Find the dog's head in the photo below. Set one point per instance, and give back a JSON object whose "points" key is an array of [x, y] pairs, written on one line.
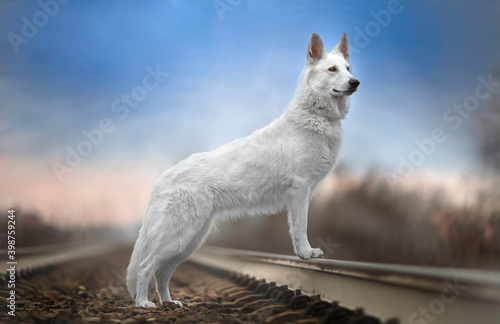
{"points": [[330, 72]]}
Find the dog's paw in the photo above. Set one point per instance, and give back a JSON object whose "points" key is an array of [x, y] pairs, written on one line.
{"points": [[170, 303], [310, 253], [178, 303], [146, 304]]}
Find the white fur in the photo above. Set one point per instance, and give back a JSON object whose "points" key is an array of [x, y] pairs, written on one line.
{"points": [[276, 167]]}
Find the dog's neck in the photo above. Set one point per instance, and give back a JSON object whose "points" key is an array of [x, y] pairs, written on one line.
{"points": [[317, 112], [323, 105]]}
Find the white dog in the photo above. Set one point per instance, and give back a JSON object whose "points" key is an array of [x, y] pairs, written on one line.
{"points": [[276, 167]]}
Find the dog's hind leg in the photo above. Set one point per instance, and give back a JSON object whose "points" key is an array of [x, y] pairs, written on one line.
{"points": [[147, 269], [162, 278], [161, 263], [164, 273]]}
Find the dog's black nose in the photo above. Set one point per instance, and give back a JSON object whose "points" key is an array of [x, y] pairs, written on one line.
{"points": [[354, 83]]}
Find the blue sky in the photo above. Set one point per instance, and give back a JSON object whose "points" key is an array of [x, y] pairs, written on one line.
{"points": [[230, 76]]}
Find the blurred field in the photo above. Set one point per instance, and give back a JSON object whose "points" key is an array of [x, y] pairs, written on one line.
{"points": [[32, 230], [372, 218], [364, 218]]}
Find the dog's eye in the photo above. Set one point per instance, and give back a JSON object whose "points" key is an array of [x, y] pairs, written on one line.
{"points": [[333, 69], [349, 68]]}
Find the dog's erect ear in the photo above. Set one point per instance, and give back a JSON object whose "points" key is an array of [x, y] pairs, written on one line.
{"points": [[316, 49], [342, 47]]}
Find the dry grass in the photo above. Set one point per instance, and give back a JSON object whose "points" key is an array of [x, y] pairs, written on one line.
{"points": [[375, 220]]}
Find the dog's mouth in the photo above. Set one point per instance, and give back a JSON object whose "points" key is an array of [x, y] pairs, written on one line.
{"points": [[345, 92]]}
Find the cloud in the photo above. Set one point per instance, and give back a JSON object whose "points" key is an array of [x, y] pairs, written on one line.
{"points": [[96, 195], [226, 79]]}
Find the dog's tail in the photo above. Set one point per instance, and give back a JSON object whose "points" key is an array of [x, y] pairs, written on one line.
{"points": [[133, 267]]}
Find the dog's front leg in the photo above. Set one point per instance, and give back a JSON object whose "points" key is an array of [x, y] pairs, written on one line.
{"points": [[297, 194]]}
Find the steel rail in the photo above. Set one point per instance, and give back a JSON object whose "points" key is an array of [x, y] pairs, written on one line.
{"points": [[413, 294], [42, 249], [42, 258]]}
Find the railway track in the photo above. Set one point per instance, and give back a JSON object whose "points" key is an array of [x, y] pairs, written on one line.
{"points": [[232, 286], [38, 259], [407, 294]]}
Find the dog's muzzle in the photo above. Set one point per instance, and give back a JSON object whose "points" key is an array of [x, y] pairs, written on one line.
{"points": [[353, 86], [354, 83]]}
